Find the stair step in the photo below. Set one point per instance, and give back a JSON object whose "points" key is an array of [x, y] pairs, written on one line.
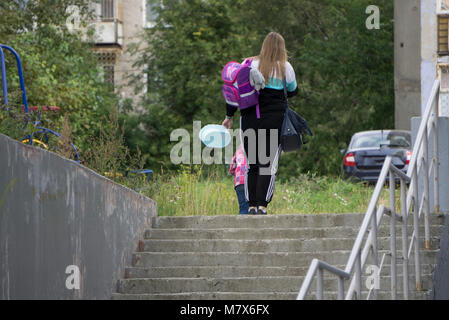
{"points": [[274, 221], [281, 245], [260, 257], [209, 296], [301, 259], [236, 271], [383, 295], [242, 284], [271, 233]]}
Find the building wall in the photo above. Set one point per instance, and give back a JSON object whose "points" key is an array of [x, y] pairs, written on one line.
{"points": [[130, 14], [429, 55], [407, 61], [55, 213], [133, 26]]}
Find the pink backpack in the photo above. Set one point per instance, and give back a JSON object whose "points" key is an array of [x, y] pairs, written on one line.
{"points": [[237, 90]]}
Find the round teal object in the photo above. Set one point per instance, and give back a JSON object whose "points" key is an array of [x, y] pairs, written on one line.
{"points": [[215, 136]]}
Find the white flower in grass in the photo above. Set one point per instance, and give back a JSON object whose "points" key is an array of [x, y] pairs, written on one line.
{"points": [[343, 201]]}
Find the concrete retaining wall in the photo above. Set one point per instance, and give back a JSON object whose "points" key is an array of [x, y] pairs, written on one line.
{"points": [[440, 290], [55, 213]]}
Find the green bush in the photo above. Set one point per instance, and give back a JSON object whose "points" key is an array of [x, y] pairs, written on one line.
{"points": [[61, 70]]}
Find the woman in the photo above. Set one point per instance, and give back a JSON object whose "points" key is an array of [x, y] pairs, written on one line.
{"points": [[273, 65]]}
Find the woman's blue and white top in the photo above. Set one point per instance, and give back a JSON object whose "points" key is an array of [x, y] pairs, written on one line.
{"points": [[276, 83]]}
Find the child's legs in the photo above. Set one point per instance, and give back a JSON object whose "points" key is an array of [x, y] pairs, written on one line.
{"points": [[252, 184], [249, 139], [243, 204]]}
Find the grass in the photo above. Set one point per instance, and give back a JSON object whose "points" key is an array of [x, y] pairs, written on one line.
{"points": [[195, 193], [198, 190]]}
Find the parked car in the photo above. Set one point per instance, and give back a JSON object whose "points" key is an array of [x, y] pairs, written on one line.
{"points": [[364, 158]]}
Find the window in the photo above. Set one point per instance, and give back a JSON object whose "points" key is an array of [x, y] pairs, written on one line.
{"points": [[107, 60], [381, 138], [443, 27], [443, 48], [443, 72], [150, 12], [107, 9], [109, 74], [443, 7]]}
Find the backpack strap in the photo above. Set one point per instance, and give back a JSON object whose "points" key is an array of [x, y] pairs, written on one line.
{"points": [[247, 62]]}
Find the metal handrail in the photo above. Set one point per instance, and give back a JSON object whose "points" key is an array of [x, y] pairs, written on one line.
{"points": [[3, 73], [20, 72], [380, 270], [409, 202], [44, 131]]}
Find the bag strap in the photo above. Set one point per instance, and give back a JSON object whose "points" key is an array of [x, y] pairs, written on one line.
{"points": [[284, 82], [247, 62]]}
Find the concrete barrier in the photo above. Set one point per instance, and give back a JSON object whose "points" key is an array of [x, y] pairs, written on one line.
{"points": [[440, 289], [58, 217]]}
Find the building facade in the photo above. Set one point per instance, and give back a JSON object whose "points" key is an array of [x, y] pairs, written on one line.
{"points": [[119, 23], [421, 56]]}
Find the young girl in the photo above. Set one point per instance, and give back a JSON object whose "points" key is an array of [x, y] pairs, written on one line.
{"points": [[273, 65], [238, 170]]}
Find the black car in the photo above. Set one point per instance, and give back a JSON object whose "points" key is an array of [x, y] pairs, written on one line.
{"points": [[368, 149]]}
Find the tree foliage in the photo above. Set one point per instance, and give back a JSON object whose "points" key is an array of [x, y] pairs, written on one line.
{"points": [[344, 70], [184, 57], [59, 66], [347, 80]]}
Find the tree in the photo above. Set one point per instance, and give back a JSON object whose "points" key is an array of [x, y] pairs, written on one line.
{"points": [[344, 71], [59, 67], [347, 80], [186, 51]]}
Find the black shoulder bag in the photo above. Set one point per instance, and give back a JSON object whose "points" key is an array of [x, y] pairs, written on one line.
{"points": [[292, 128]]}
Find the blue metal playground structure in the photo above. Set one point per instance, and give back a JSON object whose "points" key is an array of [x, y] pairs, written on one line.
{"points": [[44, 132]]}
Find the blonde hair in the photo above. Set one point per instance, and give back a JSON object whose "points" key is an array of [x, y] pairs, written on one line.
{"points": [[272, 56]]}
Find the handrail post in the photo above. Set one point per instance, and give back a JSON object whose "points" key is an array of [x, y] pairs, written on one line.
{"points": [[308, 280], [393, 236], [320, 284], [4, 82], [416, 229], [409, 201], [436, 189], [341, 288], [425, 170], [358, 275], [404, 239], [374, 247]]}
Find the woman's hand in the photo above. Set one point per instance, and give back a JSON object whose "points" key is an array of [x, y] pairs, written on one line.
{"points": [[227, 123]]}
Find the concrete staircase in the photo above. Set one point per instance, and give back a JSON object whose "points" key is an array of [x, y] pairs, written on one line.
{"points": [[256, 257]]}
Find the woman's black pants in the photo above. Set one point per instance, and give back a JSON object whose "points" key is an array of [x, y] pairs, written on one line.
{"points": [[261, 141]]}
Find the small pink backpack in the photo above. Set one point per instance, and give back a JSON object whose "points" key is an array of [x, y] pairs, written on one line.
{"points": [[237, 89]]}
